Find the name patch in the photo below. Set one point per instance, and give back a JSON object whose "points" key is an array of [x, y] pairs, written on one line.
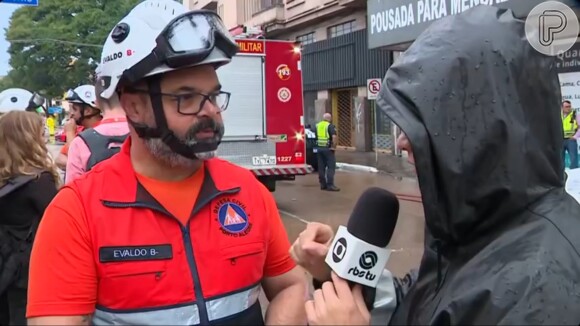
{"points": [[133, 253]]}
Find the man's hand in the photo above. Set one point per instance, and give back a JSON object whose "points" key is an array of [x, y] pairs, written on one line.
{"points": [[337, 304], [70, 129], [310, 248]]}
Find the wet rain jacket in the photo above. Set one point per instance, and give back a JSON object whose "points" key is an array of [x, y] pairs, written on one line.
{"points": [[481, 109]]}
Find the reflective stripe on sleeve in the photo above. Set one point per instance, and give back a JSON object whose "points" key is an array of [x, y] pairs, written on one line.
{"points": [[232, 304], [218, 308]]}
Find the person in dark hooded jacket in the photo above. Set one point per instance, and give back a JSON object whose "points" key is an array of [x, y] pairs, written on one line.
{"points": [[476, 103]]}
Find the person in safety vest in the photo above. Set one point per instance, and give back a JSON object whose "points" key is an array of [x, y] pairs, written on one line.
{"points": [[51, 124], [165, 232], [84, 113], [101, 142], [570, 127], [326, 141]]}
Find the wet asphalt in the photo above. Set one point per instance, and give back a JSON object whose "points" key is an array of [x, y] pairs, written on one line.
{"points": [[302, 201]]}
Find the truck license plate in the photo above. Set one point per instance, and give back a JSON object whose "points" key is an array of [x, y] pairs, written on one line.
{"points": [[264, 160]]}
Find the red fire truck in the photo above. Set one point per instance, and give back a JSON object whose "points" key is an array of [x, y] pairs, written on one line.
{"points": [[264, 122]]}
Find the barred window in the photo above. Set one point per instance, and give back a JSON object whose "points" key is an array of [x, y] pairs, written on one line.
{"points": [[306, 38], [341, 29]]}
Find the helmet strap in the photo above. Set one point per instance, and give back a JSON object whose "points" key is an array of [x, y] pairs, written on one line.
{"points": [[86, 116]]}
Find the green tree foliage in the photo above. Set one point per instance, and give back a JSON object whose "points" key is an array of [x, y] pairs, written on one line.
{"points": [[6, 82], [57, 45]]}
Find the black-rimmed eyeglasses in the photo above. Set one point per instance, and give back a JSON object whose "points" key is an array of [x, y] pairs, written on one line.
{"points": [[191, 103]]}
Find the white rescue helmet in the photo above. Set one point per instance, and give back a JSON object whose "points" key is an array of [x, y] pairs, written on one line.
{"points": [[19, 99], [159, 36], [84, 94]]}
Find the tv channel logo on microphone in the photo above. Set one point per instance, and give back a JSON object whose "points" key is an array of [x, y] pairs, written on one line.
{"points": [[366, 262], [552, 28], [339, 250], [355, 260]]}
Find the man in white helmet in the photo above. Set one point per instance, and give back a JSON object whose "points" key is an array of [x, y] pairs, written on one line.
{"points": [[84, 113], [97, 144], [23, 100], [19, 99], [164, 232]]}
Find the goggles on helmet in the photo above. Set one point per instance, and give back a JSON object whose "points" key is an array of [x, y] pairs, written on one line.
{"points": [[73, 97], [36, 103], [36, 100], [187, 39]]}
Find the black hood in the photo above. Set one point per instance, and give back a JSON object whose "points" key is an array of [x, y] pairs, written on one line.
{"points": [[481, 109]]}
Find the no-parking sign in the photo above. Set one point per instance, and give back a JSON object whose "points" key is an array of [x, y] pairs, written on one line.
{"points": [[373, 88]]}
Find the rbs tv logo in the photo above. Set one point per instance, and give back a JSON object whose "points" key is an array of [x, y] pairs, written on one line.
{"points": [[367, 261]]}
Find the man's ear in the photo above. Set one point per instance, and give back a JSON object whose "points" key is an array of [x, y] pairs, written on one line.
{"points": [[92, 110], [130, 102], [86, 109]]}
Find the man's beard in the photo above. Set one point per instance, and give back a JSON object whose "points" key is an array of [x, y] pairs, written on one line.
{"points": [[162, 152]]}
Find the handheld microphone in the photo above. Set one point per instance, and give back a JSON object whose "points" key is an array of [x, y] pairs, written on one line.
{"points": [[359, 252]]}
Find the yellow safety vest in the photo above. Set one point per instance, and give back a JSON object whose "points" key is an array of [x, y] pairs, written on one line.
{"points": [[322, 134], [569, 125], [50, 125]]}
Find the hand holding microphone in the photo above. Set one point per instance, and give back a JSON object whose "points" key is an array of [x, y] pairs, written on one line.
{"points": [[337, 304], [359, 255], [359, 251]]}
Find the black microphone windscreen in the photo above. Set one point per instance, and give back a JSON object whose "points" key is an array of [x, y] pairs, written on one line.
{"points": [[374, 217]]}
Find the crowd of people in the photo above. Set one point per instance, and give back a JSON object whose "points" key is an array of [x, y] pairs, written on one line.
{"points": [[150, 227]]}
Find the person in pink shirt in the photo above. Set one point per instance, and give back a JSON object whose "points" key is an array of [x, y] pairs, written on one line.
{"points": [[104, 139]]}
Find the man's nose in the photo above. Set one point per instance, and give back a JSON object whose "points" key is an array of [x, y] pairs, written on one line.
{"points": [[208, 109]]}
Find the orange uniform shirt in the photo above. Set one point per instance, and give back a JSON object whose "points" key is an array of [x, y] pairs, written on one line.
{"points": [[63, 271]]}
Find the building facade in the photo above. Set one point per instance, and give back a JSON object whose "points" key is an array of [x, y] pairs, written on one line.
{"points": [[336, 60], [394, 24]]}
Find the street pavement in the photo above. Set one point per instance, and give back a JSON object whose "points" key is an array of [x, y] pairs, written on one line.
{"points": [[302, 201], [392, 165]]}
